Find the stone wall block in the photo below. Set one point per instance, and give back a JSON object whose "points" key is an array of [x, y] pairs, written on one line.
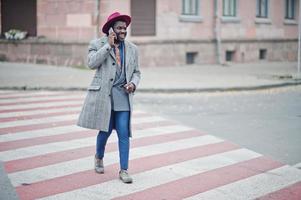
{"points": [[48, 32], [68, 34], [41, 49]]}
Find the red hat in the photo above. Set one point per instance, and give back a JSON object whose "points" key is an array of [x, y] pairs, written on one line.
{"points": [[116, 16]]}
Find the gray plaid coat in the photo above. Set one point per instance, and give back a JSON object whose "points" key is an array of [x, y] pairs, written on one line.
{"points": [[96, 110]]}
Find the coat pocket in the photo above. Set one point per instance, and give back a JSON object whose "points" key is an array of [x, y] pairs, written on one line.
{"points": [[94, 87]]}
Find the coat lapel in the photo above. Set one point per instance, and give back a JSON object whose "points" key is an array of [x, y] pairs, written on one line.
{"points": [[128, 54], [113, 54]]}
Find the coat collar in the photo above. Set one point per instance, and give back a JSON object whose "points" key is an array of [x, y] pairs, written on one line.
{"points": [[112, 54]]}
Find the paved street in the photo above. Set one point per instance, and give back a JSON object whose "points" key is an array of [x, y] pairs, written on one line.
{"points": [[268, 121], [47, 157]]}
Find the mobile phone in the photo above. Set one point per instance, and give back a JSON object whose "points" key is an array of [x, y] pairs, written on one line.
{"points": [[111, 30], [115, 38]]}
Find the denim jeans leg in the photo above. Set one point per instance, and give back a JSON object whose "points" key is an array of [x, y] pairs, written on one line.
{"points": [[122, 127], [102, 139]]}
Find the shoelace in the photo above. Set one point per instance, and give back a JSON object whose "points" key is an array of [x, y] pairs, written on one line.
{"points": [[125, 172]]}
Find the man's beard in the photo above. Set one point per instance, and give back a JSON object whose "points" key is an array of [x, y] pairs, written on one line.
{"points": [[121, 38]]}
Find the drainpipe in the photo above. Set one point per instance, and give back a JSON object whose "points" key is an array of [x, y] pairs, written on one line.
{"points": [[97, 11], [217, 32], [299, 40]]}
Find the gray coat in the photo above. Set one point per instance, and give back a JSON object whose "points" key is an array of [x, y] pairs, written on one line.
{"points": [[96, 110]]}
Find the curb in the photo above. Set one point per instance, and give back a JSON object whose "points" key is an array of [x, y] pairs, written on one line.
{"points": [[6, 189], [164, 90], [212, 90]]}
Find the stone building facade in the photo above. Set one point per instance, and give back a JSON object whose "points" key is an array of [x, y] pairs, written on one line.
{"points": [[168, 32]]}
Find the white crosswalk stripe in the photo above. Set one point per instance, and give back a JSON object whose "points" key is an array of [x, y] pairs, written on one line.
{"points": [[13, 93], [36, 112], [39, 133], [43, 98], [35, 105], [45, 148], [298, 165], [39, 121]]}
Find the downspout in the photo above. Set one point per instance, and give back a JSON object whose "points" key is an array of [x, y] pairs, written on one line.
{"points": [[299, 40], [217, 32], [97, 13]]}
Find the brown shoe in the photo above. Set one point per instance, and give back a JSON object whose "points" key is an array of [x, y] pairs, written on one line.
{"points": [[125, 177], [98, 164]]}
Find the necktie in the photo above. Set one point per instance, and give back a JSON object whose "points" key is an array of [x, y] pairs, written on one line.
{"points": [[117, 53]]}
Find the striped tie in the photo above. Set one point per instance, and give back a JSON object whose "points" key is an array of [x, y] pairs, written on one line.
{"points": [[117, 53]]}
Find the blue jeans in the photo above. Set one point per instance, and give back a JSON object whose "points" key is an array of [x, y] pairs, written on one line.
{"points": [[120, 122]]}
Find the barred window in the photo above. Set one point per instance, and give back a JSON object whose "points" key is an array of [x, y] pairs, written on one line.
{"points": [[262, 8], [229, 8], [143, 14], [190, 7]]}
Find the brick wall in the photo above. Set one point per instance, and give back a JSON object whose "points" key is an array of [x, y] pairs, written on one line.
{"points": [[66, 20]]}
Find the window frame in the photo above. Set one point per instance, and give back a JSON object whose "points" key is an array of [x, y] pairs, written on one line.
{"points": [[232, 10], [190, 8], [292, 9], [191, 16], [259, 9]]}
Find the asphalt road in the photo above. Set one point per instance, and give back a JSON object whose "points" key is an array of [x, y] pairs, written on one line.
{"points": [[265, 121]]}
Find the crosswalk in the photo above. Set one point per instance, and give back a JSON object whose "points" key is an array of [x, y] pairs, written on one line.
{"points": [[46, 156]]}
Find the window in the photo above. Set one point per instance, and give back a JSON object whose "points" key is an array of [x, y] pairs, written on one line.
{"points": [[19, 14], [262, 8], [230, 56], [190, 57], [190, 7], [290, 9], [143, 14], [262, 54], [191, 11], [229, 8]]}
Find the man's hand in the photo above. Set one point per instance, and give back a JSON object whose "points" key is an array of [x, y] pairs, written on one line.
{"points": [[129, 87]]}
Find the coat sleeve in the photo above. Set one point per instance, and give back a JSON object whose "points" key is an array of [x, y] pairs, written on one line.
{"points": [[97, 55], [136, 73]]}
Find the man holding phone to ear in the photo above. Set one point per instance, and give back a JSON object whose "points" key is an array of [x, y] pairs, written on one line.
{"points": [[109, 101]]}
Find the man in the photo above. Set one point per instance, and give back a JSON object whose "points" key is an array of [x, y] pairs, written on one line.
{"points": [[109, 101]]}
